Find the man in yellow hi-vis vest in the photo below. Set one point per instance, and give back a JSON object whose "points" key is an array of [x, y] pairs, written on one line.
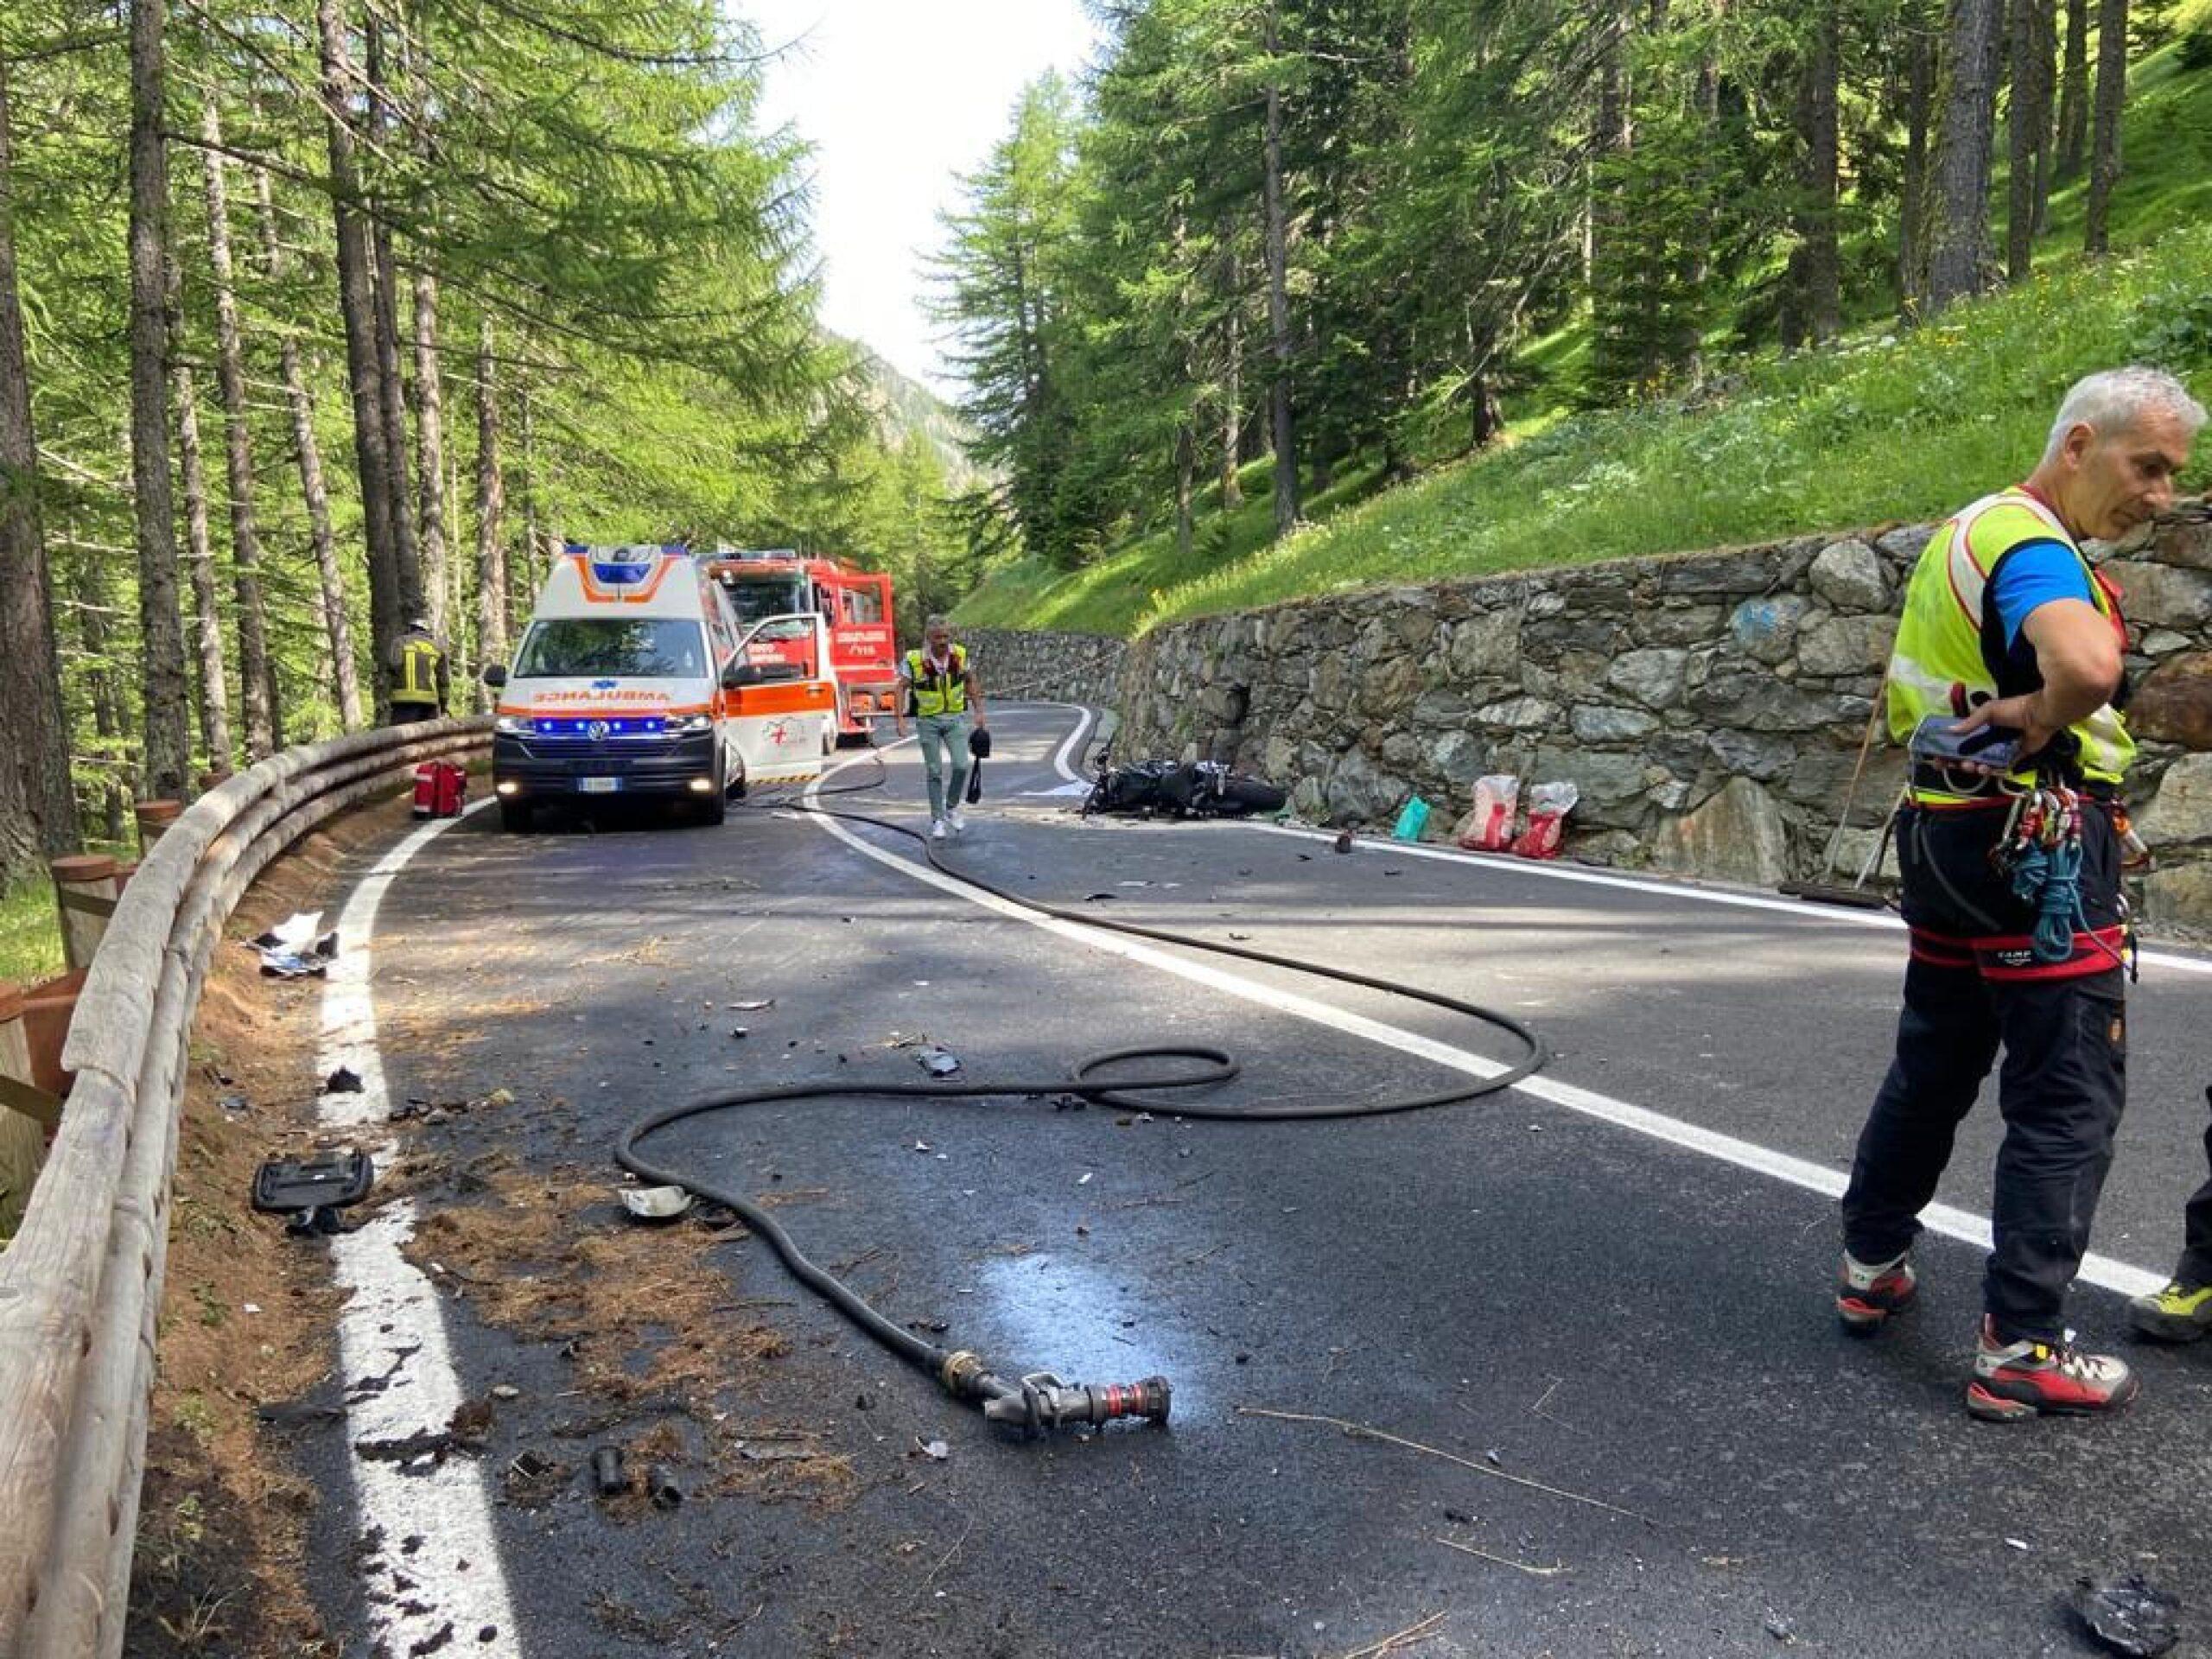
{"points": [[420, 680], [2012, 893], [938, 687]]}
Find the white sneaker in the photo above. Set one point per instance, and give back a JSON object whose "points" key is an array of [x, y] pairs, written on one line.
{"points": [[938, 829], [957, 824]]}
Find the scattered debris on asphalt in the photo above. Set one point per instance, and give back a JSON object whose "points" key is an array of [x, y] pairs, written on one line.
{"points": [[661, 1489], [1361, 1432], [608, 1477], [752, 1004], [2128, 1616], [1782, 1630], [1551, 1572], [343, 1081], [294, 949], [937, 1061], [656, 1203], [935, 1451]]}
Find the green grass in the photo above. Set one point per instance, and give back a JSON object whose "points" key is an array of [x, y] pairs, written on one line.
{"points": [[30, 936], [1884, 428]]}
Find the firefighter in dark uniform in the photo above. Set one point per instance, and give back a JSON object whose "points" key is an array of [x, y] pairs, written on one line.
{"points": [[421, 683]]}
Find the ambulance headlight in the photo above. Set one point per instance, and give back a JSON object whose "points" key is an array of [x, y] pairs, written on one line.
{"points": [[513, 724], [692, 723]]}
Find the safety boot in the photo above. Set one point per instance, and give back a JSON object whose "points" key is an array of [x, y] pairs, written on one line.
{"points": [[2014, 1381], [2180, 1312], [1866, 1295]]}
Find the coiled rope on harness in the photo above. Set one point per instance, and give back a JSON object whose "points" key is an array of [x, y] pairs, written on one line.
{"points": [[1035, 1401]]}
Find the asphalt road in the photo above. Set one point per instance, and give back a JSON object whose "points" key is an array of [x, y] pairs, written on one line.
{"points": [[1636, 1428]]}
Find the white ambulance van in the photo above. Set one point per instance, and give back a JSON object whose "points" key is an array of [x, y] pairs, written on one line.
{"points": [[631, 680]]}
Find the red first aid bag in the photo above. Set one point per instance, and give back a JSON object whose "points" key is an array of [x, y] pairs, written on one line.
{"points": [[1548, 805], [1488, 827], [441, 789]]}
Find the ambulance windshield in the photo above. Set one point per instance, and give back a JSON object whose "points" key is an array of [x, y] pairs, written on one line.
{"points": [[633, 647]]}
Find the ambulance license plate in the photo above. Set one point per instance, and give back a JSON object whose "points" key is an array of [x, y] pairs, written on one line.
{"points": [[599, 786]]}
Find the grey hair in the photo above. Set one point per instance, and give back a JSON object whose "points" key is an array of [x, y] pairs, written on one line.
{"points": [[2112, 400], [938, 619]]}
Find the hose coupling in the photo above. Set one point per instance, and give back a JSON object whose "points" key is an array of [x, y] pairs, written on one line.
{"points": [[1045, 1401], [962, 1374]]}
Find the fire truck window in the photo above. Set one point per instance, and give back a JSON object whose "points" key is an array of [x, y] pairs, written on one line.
{"points": [[862, 605]]}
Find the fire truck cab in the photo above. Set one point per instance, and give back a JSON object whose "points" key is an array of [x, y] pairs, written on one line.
{"points": [[770, 590]]}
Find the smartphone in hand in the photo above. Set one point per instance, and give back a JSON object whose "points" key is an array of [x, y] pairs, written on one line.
{"points": [[1997, 747]]}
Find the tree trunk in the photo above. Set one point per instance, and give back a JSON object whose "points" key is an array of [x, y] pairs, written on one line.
{"points": [[38, 807], [254, 691], [344, 672], [1912, 205], [199, 566], [1232, 378], [2026, 121], [112, 764], [1279, 424], [168, 762], [2074, 91], [523, 583], [390, 382], [1813, 288], [430, 461], [1956, 234], [2111, 97], [491, 505], [429, 393], [357, 303], [2046, 55]]}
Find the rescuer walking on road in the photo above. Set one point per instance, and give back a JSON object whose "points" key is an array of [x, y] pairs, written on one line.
{"points": [[940, 689], [2011, 892], [420, 680]]}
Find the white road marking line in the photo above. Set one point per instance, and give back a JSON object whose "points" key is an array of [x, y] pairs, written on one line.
{"points": [[393, 1329], [1952, 1223]]}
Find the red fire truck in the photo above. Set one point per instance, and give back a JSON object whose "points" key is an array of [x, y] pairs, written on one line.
{"points": [[854, 607]]}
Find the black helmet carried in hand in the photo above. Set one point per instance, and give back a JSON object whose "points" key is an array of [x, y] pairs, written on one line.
{"points": [[979, 742]]}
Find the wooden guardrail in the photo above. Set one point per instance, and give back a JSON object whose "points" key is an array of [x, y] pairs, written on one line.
{"points": [[81, 1284]]}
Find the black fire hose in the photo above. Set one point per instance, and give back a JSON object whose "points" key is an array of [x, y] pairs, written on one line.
{"points": [[1040, 1400]]}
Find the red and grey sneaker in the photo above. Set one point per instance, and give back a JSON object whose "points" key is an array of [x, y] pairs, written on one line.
{"points": [[1866, 1296], [2018, 1379]]}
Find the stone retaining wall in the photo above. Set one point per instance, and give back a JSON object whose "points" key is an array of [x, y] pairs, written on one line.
{"points": [[1710, 707], [1053, 667]]}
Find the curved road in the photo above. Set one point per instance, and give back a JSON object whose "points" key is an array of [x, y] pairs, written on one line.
{"points": [[1598, 1307]]}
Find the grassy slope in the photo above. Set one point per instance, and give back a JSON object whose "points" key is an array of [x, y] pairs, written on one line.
{"points": [[1881, 428]]}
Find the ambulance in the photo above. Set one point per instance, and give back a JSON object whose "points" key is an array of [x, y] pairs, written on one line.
{"points": [[634, 679]]}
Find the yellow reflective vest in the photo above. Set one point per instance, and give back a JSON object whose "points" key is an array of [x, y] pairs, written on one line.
{"points": [[417, 678], [935, 693], [1950, 648]]}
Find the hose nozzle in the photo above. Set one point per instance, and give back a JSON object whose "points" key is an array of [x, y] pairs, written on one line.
{"points": [[1045, 1401]]}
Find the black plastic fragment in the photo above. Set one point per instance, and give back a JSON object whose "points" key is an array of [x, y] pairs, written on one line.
{"points": [[2128, 1616]]}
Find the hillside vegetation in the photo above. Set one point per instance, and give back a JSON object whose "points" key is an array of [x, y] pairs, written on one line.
{"points": [[1884, 426]]}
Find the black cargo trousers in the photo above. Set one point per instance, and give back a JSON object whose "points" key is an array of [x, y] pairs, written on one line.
{"points": [[1972, 987]]}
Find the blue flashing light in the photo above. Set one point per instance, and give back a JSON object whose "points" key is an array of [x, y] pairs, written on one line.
{"points": [[622, 573]]}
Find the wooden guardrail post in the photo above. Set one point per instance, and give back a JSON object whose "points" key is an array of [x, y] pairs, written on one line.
{"points": [[84, 890], [155, 818], [24, 1114]]}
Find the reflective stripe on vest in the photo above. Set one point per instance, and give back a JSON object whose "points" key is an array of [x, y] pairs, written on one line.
{"points": [[935, 695], [1938, 666], [418, 672]]}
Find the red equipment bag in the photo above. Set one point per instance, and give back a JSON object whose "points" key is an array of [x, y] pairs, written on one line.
{"points": [[441, 787]]}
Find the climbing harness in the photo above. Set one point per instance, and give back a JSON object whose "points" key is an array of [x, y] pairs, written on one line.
{"points": [[2040, 855]]}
